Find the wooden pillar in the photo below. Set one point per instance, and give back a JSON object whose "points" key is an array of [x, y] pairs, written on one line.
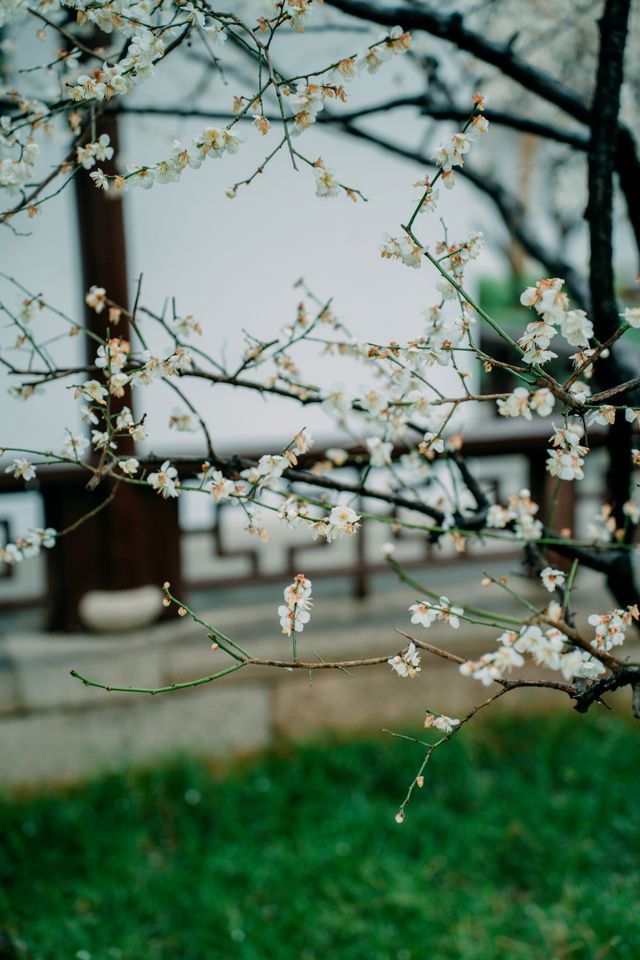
{"points": [[130, 543], [134, 541]]}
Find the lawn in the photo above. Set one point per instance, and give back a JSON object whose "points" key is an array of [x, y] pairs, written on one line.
{"points": [[524, 843]]}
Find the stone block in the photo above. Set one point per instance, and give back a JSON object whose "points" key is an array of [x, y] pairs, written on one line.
{"points": [[61, 746], [42, 672]]}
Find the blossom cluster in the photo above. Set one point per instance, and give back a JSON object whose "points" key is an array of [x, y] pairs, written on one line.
{"points": [[566, 456], [521, 403], [519, 515], [294, 613], [426, 613], [551, 303], [28, 546], [546, 646], [407, 663], [610, 627]]}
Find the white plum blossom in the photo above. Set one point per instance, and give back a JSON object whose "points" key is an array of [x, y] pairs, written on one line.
{"points": [[605, 416], [542, 402], [516, 404], [576, 328], [520, 403], [483, 670], [21, 468], [379, 451], [218, 486], [342, 520], [101, 440], [96, 298], [407, 663], [610, 627], [520, 515], [402, 249], [294, 613], [182, 421], [326, 183], [94, 390], [303, 441], [74, 446], [423, 613], [165, 481], [90, 152], [602, 527], [441, 722], [552, 579], [551, 303], [130, 466], [566, 458], [427, 613], [269, 468]]}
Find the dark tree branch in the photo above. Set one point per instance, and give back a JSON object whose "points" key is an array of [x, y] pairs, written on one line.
{"points": [[509, 208], [602, 155], [539, 128], [451, 27]]}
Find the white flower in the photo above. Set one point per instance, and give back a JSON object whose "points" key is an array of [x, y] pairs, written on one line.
{"points": [[483, 669], [427, 613], [10, 554], [326, 183], [298, 592], [579, 663], [182, 421], [441, 722], [73, 447], [165, 481], [516, 404], [21, 468], [552, 578], [576, 328], [379, 451], [431, 445], [96, 298], [605, 416], [542, 401], [506, 658], [101, 440], [449, 614], [99, 179], [218, 486], [268, 469], [423, 613], [337, 456], [94, 390], [117, 383], [295, 614], [303, 441], [602, 527], [632, 316], [407, 663], [610, 627], [546, 649], [129, 466], [402, 249], [344, 519], [292, 620]]}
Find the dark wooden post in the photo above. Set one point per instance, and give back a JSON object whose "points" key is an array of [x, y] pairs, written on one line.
{"points": [[135, 540]]}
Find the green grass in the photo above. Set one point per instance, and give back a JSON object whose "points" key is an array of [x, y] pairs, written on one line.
{"points": [[523, 845]]}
